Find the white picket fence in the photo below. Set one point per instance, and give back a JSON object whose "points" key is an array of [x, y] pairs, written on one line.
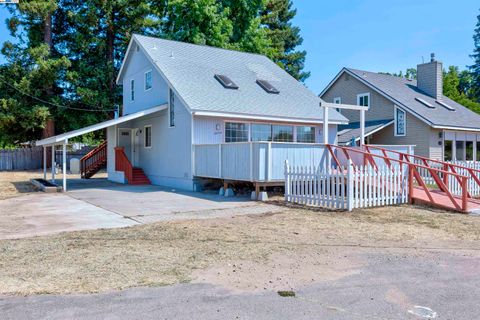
{"points": [[453, 183], [346, 188]]}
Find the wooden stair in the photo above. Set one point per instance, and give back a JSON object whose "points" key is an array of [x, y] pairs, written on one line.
{"points": [[93, 161], [139, 177]]}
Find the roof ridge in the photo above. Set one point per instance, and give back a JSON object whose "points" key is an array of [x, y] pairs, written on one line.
{"points": [[201, 45]]}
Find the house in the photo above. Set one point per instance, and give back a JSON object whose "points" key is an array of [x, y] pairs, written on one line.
{"points": [[407, 112], [193, 112]]}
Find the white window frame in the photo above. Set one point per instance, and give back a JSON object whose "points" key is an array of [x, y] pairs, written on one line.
{"points": [[338, 100], [132, 90], [366, 94], [170, 91], [395, 133], [249, 128], [145, 136], [145, 80]]}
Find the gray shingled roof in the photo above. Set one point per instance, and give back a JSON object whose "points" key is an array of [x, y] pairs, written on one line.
{"points": [[345, 133], [404, 92], [191, 68]]}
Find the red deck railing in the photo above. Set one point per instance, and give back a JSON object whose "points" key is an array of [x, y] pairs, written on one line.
{"points": [[472, 173], [413, 174], [93, 161], [123, 164]]}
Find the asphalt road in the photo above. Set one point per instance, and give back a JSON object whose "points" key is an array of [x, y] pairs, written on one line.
{"points": [[394, 284]]}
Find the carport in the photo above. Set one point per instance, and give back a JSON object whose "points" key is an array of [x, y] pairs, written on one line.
{"points": [[62, 140]]}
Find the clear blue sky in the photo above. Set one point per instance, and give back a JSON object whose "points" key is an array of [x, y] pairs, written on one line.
{"points": [[376, 35]]}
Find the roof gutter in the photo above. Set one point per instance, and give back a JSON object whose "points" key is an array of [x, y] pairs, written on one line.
{"points": [[264, 118]]}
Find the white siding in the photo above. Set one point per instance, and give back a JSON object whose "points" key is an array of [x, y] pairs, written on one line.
{"points": [[208, 130]]}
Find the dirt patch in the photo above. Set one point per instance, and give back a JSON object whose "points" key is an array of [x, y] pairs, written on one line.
{"points": [[284, 247], [15, 183]]}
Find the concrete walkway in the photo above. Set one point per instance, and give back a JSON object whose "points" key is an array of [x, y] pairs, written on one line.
{"points": [[98, 203]]}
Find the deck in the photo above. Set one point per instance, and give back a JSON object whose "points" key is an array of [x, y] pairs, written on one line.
{"points": [[254, 161]]}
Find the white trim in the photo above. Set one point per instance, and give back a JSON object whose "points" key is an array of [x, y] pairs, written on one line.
{"points": [[395, 121], [344, 106], [361, 95], [257, 117], [145, 80], [145, 136], [456, 128], [75, 133], [339, 99]]}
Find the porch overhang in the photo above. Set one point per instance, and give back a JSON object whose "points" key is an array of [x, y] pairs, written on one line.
{"points": [[62, 138]]}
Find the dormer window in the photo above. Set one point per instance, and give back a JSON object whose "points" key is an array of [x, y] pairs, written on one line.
{"points": [[267, 86], [226, 82]]}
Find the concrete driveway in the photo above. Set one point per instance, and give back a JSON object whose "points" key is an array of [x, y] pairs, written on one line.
{"points": [[98, 203]]}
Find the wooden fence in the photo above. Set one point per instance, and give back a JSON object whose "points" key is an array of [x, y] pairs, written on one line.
{"points": [[21, 159], [346, 188], [453, 184]]}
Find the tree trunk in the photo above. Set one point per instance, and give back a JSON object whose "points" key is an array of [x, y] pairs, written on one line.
{"points": [[47, 31], [111, 57]]}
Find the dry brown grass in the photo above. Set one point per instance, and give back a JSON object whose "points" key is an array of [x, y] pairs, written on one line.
{"points": [[15, 183], [167, 253]]}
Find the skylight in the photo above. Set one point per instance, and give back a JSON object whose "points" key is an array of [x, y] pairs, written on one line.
{"points": [[443, 104], [226, 81], [267, 86], [424, 102]]}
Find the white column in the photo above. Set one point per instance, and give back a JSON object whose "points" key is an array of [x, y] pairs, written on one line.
{"points": [[325, 125], [53, 163], [362, 127], [64, 163], [44, 163]]}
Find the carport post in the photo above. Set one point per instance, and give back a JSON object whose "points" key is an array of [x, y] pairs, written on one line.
{"points": [[64, 163], [44, 163], [362, 127], [53, 163]]}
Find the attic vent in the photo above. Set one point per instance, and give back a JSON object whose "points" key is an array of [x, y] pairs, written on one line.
{"points": [[443, 104], [225, 81], [267, 86], [425, 103]]}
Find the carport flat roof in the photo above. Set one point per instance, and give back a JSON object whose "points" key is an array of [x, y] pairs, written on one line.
{"points": [[61, 138]]}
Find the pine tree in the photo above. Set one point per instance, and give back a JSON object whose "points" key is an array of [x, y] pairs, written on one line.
{"points": [[31, 73], [285, 38], [475, 68]]}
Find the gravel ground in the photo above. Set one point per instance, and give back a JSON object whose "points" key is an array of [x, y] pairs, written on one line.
{"points": [[244, 253]]}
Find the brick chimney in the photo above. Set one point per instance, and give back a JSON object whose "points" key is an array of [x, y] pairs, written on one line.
{"points": [[430, 78]]}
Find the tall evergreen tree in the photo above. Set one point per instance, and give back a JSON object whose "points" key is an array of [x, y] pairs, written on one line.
{"points": [[32, 72], [285, 37], [475, 68]]}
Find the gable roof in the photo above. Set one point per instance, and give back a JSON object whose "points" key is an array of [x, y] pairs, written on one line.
{"points": [[405, 94], [190, 71], [352, 130]]}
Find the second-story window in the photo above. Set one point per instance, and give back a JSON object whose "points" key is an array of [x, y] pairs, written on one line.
{"points": [[148, 80], [171, 110], [132, 90], [363, 99]]}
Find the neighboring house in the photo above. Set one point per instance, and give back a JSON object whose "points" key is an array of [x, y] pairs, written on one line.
{"points": [[192, 112], [407, 112]]}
